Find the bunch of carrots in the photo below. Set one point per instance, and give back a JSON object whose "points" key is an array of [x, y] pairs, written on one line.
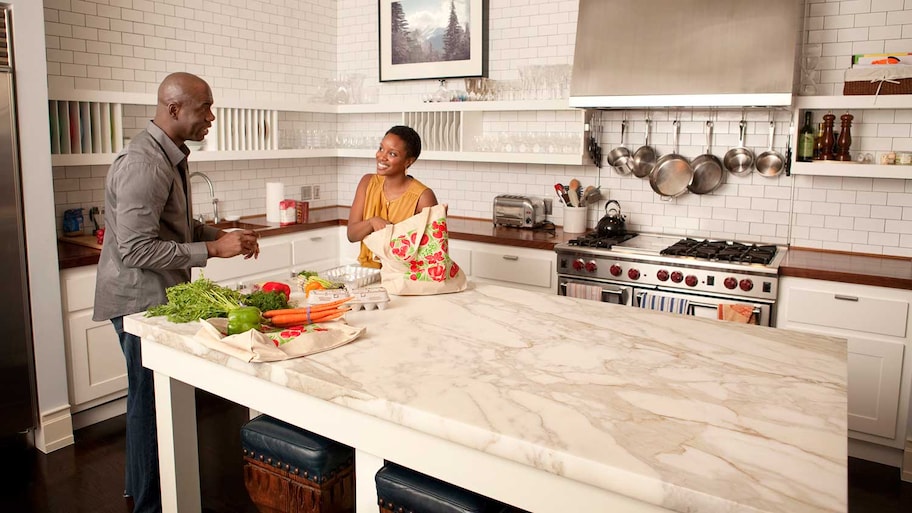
{"points": [[308, 315]]}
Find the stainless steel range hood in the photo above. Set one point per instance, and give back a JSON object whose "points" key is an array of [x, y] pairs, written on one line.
{"points": [[686, 53]]}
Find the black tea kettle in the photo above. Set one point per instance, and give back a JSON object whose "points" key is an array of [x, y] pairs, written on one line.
{"points": [[613, 223]]}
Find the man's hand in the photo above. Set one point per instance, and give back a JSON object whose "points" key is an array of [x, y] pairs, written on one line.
{"points": [[233, 243]]}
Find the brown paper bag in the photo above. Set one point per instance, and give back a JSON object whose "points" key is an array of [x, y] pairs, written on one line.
{"points": [[253, 346], [415, 255]]}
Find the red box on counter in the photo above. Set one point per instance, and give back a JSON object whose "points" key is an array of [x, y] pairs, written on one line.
{"points": [[287, 212]]}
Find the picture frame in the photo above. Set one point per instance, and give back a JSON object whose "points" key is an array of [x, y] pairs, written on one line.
{"points": [[432, 39]]}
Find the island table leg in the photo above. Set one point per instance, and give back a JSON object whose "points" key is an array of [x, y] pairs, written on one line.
{"points": [[366, 467], [175, 410]]}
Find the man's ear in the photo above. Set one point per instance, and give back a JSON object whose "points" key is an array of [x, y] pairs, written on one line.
{"points": [[173, 109]]}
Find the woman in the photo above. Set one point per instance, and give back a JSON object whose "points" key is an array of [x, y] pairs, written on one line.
{"points": [[390, 195]]}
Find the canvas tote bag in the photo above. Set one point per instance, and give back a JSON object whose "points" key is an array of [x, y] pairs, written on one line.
{"points": [[415, 255]]}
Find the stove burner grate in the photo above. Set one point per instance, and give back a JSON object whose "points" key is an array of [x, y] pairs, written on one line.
{"points": [[594, 240], [726, 251]]}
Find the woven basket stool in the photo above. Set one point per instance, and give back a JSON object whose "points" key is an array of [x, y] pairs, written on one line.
{"points": [[402, 490], [290, 470]]}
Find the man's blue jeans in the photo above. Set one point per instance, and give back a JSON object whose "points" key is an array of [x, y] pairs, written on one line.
{"points": [[142, 475]]}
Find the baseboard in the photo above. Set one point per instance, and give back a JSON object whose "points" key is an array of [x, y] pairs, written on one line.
{"points": [[55, 430], [907, 462], [877, 453], [100, 413]]}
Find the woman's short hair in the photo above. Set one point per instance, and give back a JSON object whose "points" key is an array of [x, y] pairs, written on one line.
{"points": [[410, 137]]}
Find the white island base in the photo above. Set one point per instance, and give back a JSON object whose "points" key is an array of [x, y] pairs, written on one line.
{"points": [[549, 403]]}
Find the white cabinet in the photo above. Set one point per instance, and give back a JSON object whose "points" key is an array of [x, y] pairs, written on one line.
{"points": [[96, 370], [274, 262], [532, 269], [316, 250], [877, 324]]}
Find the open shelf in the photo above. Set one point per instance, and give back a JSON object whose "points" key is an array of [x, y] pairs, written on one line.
{"points": [[851, 169], [888, 101]]}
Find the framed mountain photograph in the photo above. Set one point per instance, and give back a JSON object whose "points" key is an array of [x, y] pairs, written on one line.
{"points": [[422, 39]]}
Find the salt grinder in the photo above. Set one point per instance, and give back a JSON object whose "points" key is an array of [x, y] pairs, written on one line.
{"points": [[826, 152]]}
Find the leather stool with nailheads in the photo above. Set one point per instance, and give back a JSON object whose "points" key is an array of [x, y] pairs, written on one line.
{"points": [[402, 490], [290, 470]]}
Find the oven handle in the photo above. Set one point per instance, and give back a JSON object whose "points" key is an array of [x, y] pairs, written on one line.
{"points": [[756, 311], [619, 291]]}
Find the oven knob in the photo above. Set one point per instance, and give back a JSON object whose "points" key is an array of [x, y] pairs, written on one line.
{"points": [[730, 283], [691, 280], [746, 285], [578, 264], [677, 277], [633, 274], [615, 270], [591, 266], [662, 275]]}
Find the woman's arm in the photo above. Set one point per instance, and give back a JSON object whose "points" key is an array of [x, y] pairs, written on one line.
{"points": [[358, 227], [427, 199]]}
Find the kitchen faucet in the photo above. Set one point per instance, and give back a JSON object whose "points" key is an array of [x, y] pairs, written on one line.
{"points": [[215, 214]]}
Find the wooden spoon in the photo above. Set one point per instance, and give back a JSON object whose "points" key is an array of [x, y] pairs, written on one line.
{"points": [[574, 192]]}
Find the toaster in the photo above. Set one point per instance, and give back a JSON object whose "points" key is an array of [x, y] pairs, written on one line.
{"points": [[519, 211]]}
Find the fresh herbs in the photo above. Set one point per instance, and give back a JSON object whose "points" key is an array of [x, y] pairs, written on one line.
{"points": [[200, 299], [266, 301]]}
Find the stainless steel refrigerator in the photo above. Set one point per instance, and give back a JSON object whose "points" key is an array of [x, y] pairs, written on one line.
{"points": [[17, 375]]}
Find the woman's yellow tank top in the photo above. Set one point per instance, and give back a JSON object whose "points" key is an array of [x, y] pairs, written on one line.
{"points": [[376, 204]]}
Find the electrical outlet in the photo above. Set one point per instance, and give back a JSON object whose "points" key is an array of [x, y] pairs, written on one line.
{"points": [[307, 192], [316, 192]]}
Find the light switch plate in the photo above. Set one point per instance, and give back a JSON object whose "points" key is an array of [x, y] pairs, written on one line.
{"points": [[307, 192]]}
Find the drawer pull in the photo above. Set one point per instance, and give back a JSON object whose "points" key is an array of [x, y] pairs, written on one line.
{"points": [[316, 239], [510, 257], [846, 298]]}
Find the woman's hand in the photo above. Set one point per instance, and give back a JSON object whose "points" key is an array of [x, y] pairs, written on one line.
{"points": [[378, 223]]}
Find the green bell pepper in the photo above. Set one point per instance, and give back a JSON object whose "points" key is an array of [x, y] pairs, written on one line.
{"points": [[244, 318]]}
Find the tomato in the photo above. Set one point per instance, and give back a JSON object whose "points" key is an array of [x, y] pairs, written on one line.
{"points": [[277, 286]]}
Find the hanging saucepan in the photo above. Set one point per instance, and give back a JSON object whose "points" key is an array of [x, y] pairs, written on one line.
{"points": [[673, 173], [644, 159], [612, 223], [620, 158], [770, 163], [708, 171], [740, 160]]}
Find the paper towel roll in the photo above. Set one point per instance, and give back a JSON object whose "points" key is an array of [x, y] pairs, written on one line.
{"points": [[275, 192]]}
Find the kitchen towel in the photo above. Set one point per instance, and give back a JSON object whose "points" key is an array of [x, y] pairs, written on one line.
{"points": [[584, 291], [275, 192], [664, 303], [738, 312]]}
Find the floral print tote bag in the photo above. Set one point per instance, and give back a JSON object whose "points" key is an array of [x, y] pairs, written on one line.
{"points": [[415, 255]]}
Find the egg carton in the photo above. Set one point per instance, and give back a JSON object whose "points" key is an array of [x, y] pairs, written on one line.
{"points": [[369, 298]]}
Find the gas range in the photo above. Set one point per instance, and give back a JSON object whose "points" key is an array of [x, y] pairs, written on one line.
{"points": [[698, 266]]}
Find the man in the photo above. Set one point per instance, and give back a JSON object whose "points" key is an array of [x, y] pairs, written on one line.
{"points": [[150, 243]]}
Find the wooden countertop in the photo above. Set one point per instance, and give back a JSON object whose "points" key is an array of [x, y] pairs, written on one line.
{"points": [[863, 269], [461, 228]]}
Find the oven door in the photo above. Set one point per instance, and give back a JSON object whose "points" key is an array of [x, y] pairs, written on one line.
{"points": [[595, 290], [707, 306]]}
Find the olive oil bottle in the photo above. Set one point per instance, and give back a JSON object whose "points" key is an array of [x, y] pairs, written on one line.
{"points": [[806, 140]]}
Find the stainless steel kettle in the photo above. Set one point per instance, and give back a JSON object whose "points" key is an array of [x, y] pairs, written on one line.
{"points": [[613, 222]]}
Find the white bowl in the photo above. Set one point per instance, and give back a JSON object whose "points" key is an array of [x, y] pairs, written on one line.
{"points": [[232, 218]]}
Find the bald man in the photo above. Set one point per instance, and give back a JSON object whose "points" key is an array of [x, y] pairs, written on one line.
{"points": [[151, 242]]}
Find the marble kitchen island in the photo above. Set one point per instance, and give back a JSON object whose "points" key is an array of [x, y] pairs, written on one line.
{"points": [[549, 403]]}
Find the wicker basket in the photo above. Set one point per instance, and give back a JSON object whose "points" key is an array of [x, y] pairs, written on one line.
{"points": [[867, 87]]}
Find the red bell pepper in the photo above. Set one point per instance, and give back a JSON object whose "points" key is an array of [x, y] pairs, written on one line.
{"points": [[277, 286]]}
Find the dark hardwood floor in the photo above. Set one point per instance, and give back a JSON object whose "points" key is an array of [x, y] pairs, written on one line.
{"points": [[87, 477]]}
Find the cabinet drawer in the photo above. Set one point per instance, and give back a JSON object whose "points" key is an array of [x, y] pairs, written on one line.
{"points": [[316, 246], [78, 289], [513, 268], [272, 258], [850, 311]]}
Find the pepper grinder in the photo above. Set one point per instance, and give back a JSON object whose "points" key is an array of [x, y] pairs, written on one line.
{"points": [[826, 151], [845, 138]]}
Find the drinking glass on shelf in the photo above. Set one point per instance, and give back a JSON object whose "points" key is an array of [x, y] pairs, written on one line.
{"points": [[810, 59]]}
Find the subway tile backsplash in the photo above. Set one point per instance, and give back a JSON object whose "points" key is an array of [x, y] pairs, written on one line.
{"points": [[285, 49]]}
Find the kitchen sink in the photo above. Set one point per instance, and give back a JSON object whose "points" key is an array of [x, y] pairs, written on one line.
{"points": [[238, 225]]}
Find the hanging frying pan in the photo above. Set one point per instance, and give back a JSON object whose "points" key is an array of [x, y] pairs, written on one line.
{"points": [[644, 159], [620, 158], [672, 173], [707, 168], [740, 160], [770, 163]]}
